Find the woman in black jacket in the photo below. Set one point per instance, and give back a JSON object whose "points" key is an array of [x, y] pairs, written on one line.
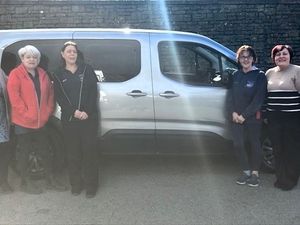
{"points": [[76, 92], [248, 94]]}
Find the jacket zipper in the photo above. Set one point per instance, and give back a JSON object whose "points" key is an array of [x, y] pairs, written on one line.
{"points": [[80, 92], [37, 102], [39, 108]]}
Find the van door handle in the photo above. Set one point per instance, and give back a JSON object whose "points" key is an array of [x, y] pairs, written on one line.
{"points": [[136, 93], [168, 94]]}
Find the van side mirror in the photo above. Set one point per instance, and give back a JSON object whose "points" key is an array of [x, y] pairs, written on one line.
{"points": [[215, 76], [227, 77]]}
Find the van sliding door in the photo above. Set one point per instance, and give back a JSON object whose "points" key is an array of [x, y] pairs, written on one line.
{"points": [[122, 64]]}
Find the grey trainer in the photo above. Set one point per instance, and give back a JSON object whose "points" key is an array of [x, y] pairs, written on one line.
{"points": [[243, 179], [253, 180]]}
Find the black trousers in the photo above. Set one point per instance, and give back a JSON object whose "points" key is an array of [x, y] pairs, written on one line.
{"points": [[5, 157], [36, 141], [82, 154], [285, 136], [247, 133]]}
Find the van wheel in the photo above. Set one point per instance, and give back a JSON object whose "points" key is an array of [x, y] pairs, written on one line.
{"points": [[268, 163]]}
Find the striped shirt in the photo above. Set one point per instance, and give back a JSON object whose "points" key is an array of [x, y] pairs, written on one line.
{"points": [[283, 90]]}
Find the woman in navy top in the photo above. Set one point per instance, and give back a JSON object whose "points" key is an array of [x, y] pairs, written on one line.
{"points": [[248, 94]]}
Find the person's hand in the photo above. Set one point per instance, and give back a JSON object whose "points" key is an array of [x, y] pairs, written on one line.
{"points": [[241, 119], [81, 115], [235, 117], [77, 114]]}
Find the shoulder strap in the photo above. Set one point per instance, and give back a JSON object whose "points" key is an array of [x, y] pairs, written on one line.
{"points": [[61, 87], [80, 92]]}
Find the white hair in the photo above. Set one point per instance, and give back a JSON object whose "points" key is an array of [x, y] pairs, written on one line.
{"points": [[31, 50]]}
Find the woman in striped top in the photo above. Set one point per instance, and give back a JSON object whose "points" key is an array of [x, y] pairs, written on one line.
{"points": [[283, 111]]}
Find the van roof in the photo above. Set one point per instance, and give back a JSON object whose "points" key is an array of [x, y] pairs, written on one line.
{"points": [[122, 30], [16, 34]]}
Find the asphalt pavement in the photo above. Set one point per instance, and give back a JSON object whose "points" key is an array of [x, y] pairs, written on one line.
{"points": [[159, 190]]}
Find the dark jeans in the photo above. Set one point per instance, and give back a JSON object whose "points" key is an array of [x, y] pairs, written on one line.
{"points": [[285, 136], [5, 157], [247, 132], [82, 154], [38, 142]]}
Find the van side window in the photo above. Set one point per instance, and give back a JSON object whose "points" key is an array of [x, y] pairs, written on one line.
{"points": [[112, 60], [50, 54], [190, 63]]}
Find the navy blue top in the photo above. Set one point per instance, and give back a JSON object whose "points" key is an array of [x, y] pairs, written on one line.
{"points": [[248, 93]]}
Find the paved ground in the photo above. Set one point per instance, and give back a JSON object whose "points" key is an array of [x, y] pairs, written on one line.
{"points": [[159, 190]]}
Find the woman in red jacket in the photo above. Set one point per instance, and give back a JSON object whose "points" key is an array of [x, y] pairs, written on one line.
{"points": [[32, 102]]}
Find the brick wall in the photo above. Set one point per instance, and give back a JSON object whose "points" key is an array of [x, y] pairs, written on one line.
{"points": [[260, 23]]}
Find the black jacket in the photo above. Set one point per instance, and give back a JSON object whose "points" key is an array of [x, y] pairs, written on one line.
{"points": [[248, 93], [76, 91]]}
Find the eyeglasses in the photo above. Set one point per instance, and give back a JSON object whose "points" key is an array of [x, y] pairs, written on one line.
{"points": [[244, 57], [70, 43]]}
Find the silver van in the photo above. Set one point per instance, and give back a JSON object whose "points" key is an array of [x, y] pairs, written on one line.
{"points": [[154, 85]]}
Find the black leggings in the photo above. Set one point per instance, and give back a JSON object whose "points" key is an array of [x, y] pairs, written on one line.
{"points": [[250, 132]]}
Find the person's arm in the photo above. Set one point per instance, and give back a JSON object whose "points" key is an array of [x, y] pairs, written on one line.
{"points": [[297, 79], [50, 100], [92, 91], [258, 98], [14, 95], [3, 75], [231, 99]]}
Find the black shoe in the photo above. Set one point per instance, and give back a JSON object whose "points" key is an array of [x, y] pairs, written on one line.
{"points": [[283, 187], [277, 184], [243, 179], [76, 190], [6, 188], [30, 187], [253, 181], [90, 194], [55, 185]]}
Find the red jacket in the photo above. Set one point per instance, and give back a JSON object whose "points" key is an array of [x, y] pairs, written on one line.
{"points": [[25, 109]]}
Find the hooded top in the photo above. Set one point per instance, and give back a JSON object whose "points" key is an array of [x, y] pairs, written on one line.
{"points": [[26, 111], [248, 93]]}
